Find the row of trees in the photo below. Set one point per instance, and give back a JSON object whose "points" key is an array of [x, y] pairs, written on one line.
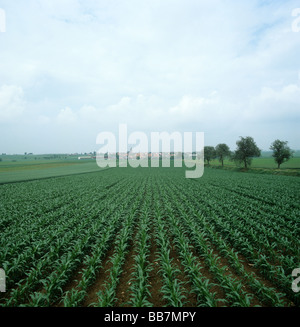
{"points": [[246, 150]]}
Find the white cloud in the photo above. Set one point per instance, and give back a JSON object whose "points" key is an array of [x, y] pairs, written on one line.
{"points": [[44, 120], [194, 107], [67, 117], [275, 105], [151, 64], [11, 103], [289, 93]]}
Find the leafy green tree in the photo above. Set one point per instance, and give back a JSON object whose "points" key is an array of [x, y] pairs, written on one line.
{"points": [[281, 152], [222, 151], [246, 150], [209, 153]]}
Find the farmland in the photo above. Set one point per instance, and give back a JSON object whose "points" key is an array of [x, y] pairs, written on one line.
{"points": [[265, 165], [22, 168], [151, 237]]}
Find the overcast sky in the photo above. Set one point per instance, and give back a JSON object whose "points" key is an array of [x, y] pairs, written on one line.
{"points": [[70, 69]]}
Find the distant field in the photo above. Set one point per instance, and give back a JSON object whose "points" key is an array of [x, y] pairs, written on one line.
{"points": [[264, 162], [29, 167], [16, 168]]}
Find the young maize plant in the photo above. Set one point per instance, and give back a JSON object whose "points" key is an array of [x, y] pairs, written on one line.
{"points": [[139, 283], [172, 287]]}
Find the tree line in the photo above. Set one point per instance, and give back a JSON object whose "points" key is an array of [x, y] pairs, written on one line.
{"points": [[247, 150]]}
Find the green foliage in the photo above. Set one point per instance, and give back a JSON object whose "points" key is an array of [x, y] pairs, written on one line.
{"points": [[222, 151], [227, 231], [246, 150], [209, 153], [281, 152]]}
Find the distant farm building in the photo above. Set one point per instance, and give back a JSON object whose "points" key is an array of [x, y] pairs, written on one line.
{"points": [[85, 157]]}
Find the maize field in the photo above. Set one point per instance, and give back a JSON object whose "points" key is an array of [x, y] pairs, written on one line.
{"points": [[151, 238]]}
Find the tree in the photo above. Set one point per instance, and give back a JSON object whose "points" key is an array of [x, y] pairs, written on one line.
{"points": [[246, 150], [209, 153], [222, 151], [281, 152]]}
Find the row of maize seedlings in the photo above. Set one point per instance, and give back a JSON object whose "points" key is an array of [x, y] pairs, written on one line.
{"points": [[26, 251], [140, 288], [276, 274], [240, 239], [263, 230], [107, 296], [93, 262], [34, 276], [236, 233], [198, 223], [31, 217], [61, 275], [233, 288], [59, 254], [172, 288], [251, 245], [278, 200], [62, 272], [201, 285], [283, 219]]}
